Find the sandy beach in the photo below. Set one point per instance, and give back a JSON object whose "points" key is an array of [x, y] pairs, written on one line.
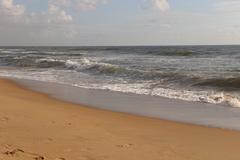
{"points": [[36, 126]]}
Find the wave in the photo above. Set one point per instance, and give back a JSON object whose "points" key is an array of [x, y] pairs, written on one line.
{"points": [[91, 67], [10, 51], [86, 65], [232, 99], [83, 64], [223, 83], [59, 54], [182, 53], [99, 68], [146, 88], [50, 63], [136, 50], [31, 61], [21, 52]]}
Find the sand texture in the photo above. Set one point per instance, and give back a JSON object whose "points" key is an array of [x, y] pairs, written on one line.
{"points": [[34, 126]]}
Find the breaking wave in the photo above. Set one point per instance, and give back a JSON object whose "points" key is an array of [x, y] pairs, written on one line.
{"points": [[223, 83], [99, 68], [203, 74]]}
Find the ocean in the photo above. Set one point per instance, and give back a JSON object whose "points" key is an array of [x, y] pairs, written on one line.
{"points": [[207, 74]]}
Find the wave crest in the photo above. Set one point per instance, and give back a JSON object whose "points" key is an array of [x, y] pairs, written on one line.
{"points": [[229, 98], [224, 83]]}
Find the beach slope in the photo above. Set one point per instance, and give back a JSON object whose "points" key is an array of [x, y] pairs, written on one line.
{"points": [[35, 126]]}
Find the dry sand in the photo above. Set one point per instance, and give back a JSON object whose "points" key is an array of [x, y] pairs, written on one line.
{"points": [[35, 126]]}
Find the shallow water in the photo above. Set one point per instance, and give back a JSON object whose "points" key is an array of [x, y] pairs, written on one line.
{"points": [[206, 114]]}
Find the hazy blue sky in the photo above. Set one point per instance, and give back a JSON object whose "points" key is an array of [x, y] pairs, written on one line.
{"points": [[119, 22]]}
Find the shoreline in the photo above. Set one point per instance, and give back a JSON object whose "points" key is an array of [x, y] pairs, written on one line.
{"points": [[205, 114], [36, 126]]}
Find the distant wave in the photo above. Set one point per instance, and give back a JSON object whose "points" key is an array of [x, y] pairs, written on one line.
{"points": [[58, 54], [31, 61], [11, 52], [172, 53]]}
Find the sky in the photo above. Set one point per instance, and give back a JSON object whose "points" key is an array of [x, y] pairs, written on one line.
{"points": [[119, 22]]}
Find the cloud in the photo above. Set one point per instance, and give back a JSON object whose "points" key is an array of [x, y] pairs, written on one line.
{"points": [[8, 8], [57, 8], [228, 6], [88, 4], [162, 5], [54, 25], [51, 25], [57, 15], [80, 5]]}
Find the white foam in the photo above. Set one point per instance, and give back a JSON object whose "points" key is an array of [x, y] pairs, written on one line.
{"points": [[136, 88], [84, 63], [49, 60], [233, 101]]}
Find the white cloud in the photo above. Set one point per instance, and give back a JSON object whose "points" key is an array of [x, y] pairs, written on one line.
{"points": [[80, 5], [163, 5], [228, 6], [8, 8], [88, 4], [57, 15], [48, 27], [63, 3], [57, 8]]}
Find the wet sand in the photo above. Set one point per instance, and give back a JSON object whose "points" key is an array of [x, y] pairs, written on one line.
{"points": [[35, 126], [206, 114]]}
